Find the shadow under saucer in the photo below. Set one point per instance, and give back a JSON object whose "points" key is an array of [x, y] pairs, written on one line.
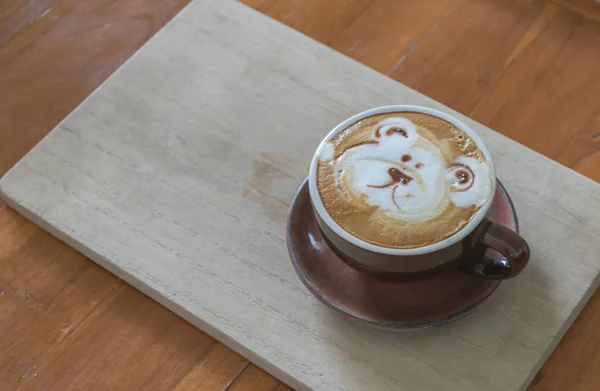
{"points": [[390, 304]]}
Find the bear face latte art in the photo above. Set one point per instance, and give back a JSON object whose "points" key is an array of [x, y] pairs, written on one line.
{"points": [[402, 180]]}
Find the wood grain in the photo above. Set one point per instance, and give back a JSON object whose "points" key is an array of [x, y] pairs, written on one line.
{"points": [[468, 51], [141, 350], [37, 95], [372, 32], [587, 8], [43, 298], [168, 208], [17, 16], [217, 370], [254, 378], [560, 55]]}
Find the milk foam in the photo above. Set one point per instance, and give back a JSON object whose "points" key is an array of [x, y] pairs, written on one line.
{"points": [[405, 175]]}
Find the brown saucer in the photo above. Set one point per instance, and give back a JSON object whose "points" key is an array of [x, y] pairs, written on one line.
{"points": [[400, 304]]}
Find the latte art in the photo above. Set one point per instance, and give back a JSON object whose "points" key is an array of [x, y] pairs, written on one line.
{"points": [[402, 180]]}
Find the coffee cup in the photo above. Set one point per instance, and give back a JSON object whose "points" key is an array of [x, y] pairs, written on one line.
{"points": [[408, 189]]}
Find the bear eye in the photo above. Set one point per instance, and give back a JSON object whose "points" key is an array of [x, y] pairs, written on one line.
{"points": [[461, 177]]}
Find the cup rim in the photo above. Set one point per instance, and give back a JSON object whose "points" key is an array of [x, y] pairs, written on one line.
{"points": [[338, 230]]}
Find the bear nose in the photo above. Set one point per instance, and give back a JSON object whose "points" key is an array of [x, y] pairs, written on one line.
{"points": [[398, 176]]}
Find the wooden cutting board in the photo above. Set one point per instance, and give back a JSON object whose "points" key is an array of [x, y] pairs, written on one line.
{"points": [[177, 175]]}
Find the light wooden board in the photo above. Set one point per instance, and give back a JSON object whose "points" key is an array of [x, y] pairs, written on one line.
{"points": [[177, 174]]}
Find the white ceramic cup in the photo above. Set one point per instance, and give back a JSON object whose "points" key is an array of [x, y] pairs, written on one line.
{"points": [[479, 232]]}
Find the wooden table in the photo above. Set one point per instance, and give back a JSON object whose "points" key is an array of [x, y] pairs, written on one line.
{"points": [[510, 65]]}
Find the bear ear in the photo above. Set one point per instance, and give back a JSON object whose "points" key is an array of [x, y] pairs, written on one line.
{"points": [[470, 180], [395, 126], [460, 176], [389, 130]]}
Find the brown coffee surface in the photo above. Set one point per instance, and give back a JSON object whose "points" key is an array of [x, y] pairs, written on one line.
{"points": [[400, 186]]}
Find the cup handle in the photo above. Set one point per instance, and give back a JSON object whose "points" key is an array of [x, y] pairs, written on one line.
{"points": [[490, 235]]}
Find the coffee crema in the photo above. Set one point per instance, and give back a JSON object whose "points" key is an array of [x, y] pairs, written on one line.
{"points": [[402, 180]]}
